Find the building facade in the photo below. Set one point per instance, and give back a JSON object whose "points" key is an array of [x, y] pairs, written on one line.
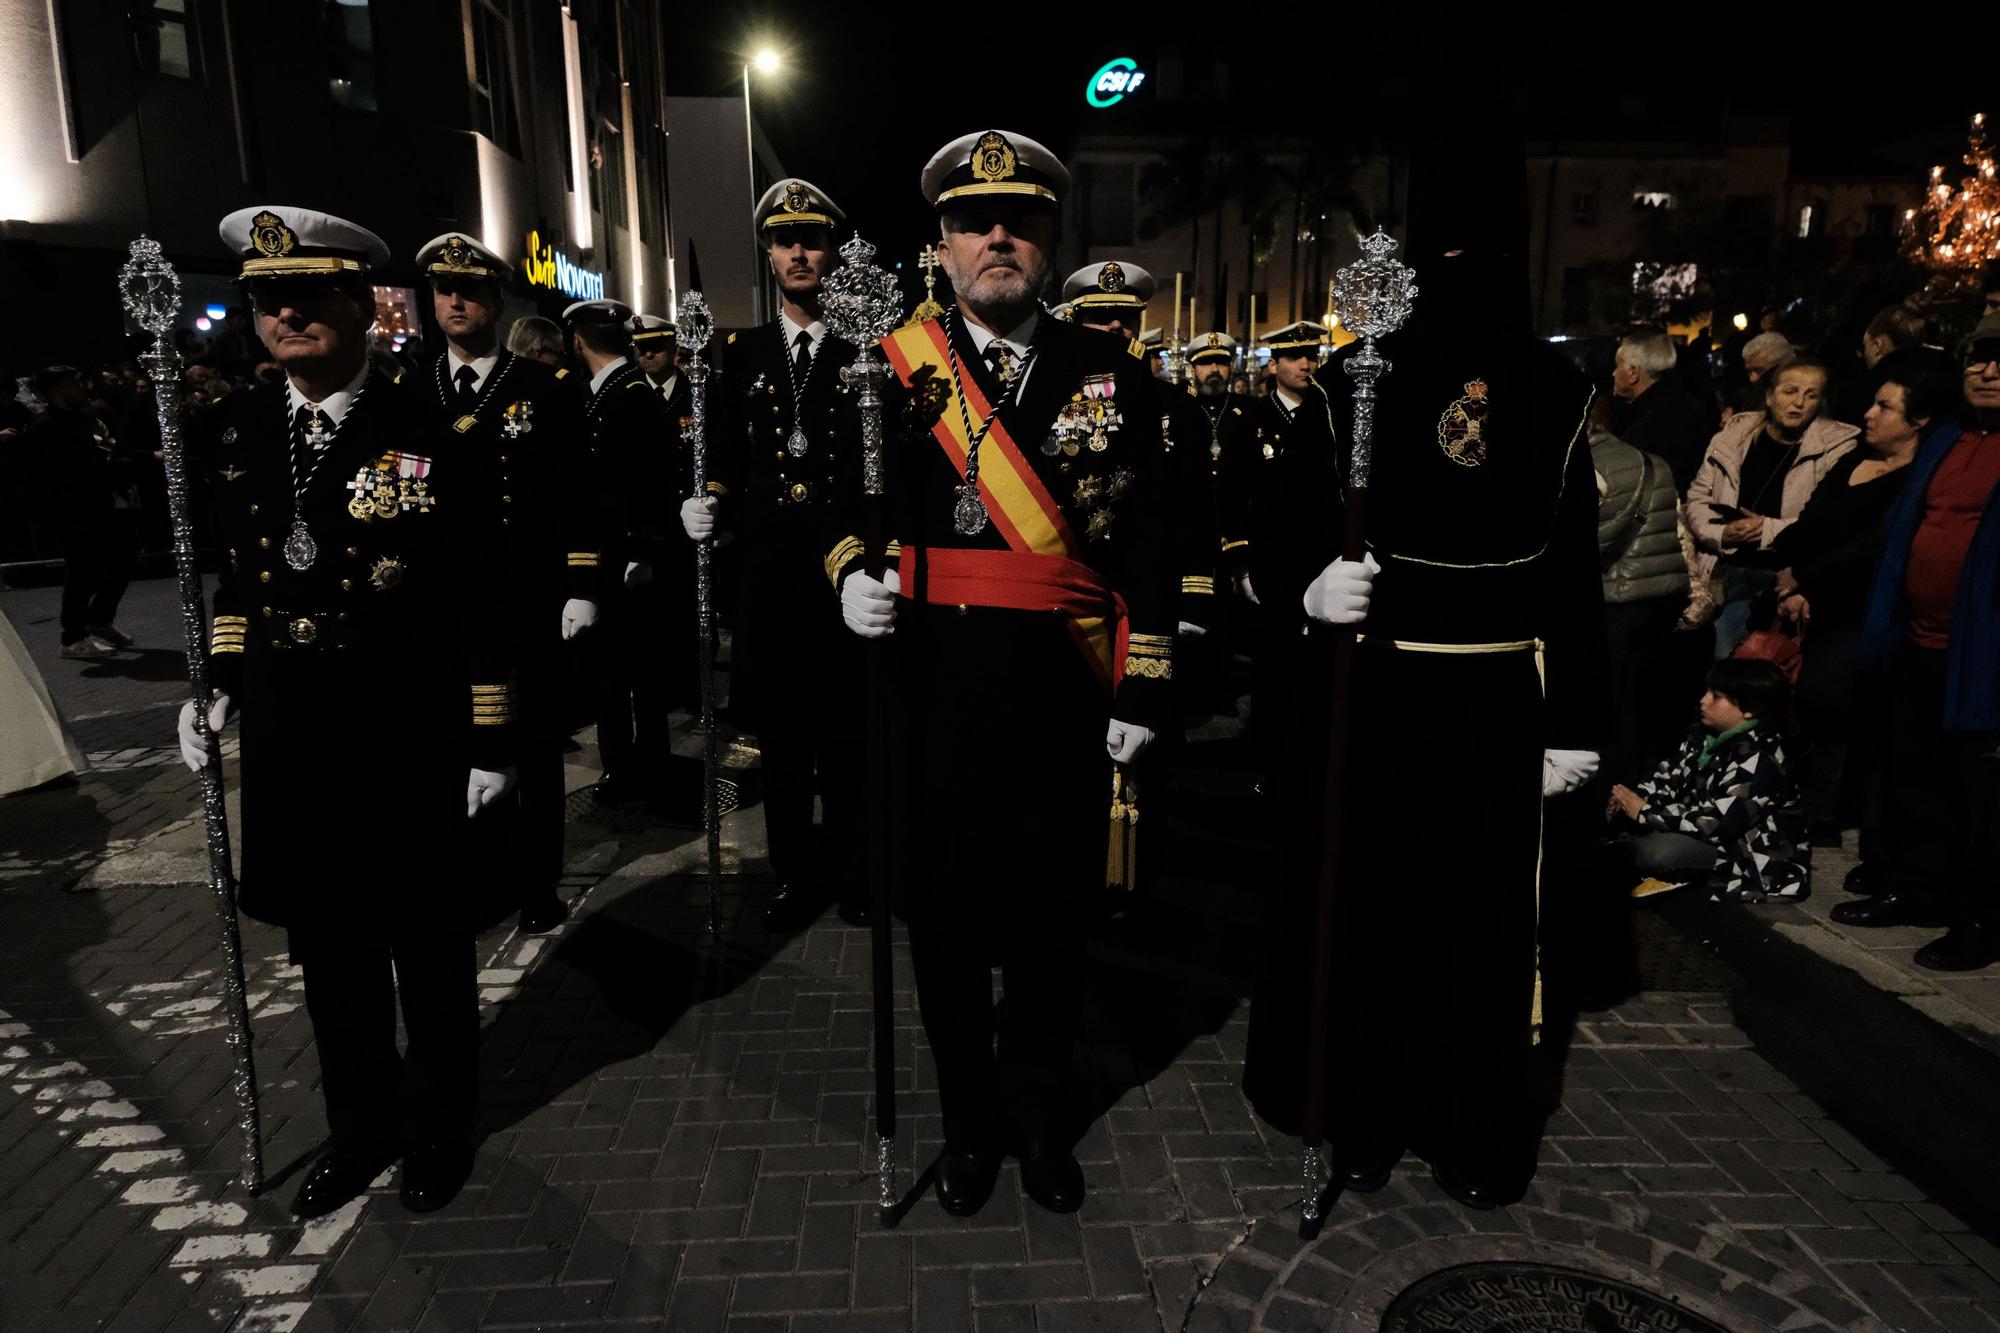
{"points": [[538, 127]]}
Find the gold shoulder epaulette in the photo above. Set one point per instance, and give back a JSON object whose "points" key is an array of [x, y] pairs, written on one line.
{"points": [[730, 339], [398, 379], [1136, 349], [637, 384], [562, 373]]}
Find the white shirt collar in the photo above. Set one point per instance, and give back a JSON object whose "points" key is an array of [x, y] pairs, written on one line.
{"points": [[815, 330], [480, 368], [597, 380], [1017, 338], [336, 404], [1285, 396], [666, 386]]}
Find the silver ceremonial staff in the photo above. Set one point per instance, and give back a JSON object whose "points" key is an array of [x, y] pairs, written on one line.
{"points": [[1374, 295], [694, 326], [862, 305], [152, 292]]}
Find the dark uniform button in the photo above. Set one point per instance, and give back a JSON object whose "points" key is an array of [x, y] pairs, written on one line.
{"points": [[264, 576], [263, 544], [506, 499], [347, 585], [267, 612], [253, 509], [505, 521], [352, 553], [503, 458]]}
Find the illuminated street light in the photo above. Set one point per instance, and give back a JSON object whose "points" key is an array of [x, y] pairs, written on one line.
{"points": [[768, 61]]}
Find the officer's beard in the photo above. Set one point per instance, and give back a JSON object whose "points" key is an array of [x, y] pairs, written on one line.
{"points": [[1211, 386]]}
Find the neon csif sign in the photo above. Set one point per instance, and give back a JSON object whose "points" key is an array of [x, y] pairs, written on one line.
{"points": [[1114, 81]]}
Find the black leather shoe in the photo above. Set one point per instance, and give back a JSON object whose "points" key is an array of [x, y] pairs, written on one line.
{"points": [[1051, 1177], [338, 1178], [1472, 1196], [545, 915], [1858, 882], [855, 914], [1886, 909], [1964, 948], [1365, 1177], [434, 1174], [794, 908], [965, 1181]]}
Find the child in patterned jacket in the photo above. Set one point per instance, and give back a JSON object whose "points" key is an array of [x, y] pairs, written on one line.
{"points": [[1723, 811]]}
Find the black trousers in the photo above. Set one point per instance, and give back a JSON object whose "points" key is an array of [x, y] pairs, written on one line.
{"points": [[97, 568], [376, 1097], [637, 695], [1645, 704], [537, 836], [1942, 791], [803, 757], [1025, 1088]]}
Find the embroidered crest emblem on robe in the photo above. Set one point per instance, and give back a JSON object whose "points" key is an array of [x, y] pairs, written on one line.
{"points": [[1462, 428]]}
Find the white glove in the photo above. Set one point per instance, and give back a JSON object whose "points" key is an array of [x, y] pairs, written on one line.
{"points": [[868, 607], [1245, 591], [483, 789], [193, 753], [698, 516], [1190, 630], [1339, 596], [638, 572], [1566, 770], [1126, 742], [578, 616]]}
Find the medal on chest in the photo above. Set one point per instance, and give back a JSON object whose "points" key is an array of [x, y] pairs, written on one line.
{"points": [[519, 420], [1089, 419], [393, 484]]}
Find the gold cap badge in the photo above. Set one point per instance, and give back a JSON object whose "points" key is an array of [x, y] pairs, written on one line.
{"points": [[992, 157], [795, 197], [270, 237], [456, 251], [1111, 278]]}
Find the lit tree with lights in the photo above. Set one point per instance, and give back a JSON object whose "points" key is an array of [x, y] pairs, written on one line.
{"points": [[1955, 232]]}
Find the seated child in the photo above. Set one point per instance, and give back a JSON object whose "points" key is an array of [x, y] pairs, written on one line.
{"points": [[1723, 811]]}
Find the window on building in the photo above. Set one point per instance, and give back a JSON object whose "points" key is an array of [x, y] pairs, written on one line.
{"points": [[160, 39], [1583, 208], [1110, 204], [611, 170], [494, 111], [1812, 221], [1652, 200], [348, 37]]}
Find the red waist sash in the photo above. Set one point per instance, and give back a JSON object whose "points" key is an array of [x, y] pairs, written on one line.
{"points": [[1025, 581]]}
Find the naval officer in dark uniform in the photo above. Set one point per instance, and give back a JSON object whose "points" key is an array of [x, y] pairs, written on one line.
{"points": [[646, 597], [1029, 606], [1211, 360], [784, 424], [358, 630], [656, 347], [520, 430], [1275, 478]]}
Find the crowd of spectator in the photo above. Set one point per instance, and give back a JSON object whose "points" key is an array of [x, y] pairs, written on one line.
{"points": [[1834, 540]]}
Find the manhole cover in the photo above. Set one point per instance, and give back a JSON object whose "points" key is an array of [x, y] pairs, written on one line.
{"points": [[1534, 1298]]}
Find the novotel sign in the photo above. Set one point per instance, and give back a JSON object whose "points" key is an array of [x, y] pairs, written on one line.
{"points": [[1114, 81], [549, 267]]}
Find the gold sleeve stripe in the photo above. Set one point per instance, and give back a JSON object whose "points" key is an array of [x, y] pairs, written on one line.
{"points": [[1198, 583], [583, 559], [844, 553], [1152, 645], [717, 488], [493, 721], [238, 621], [1153, 668], [1233, 544]]}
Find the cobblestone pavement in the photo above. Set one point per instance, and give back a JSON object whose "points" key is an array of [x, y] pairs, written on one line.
{"points": [[673, 1133]]}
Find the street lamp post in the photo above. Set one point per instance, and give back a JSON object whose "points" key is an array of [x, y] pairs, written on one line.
{"points": [[767, 61]]}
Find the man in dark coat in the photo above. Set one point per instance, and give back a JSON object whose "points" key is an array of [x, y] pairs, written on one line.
{"points": [[1656, 413], [784, 424], [1278, 478], [358, 628], [646, 583], [1476, 696], [1031, 598], [520, 427], [95, 479]]}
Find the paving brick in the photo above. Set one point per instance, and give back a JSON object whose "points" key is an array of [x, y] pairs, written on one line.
{"points": [[1029, 1282], [790, 1293]]}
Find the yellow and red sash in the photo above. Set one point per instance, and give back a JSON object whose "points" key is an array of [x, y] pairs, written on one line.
{"points": [[1022, 510]]}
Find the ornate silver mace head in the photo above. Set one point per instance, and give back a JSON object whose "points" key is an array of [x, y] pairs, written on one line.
{"points": [[694, 325], [150, 287], [860, 299], [1373, 295]]}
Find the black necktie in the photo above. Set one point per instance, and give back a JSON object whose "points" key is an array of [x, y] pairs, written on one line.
{"points": [[802, 357], [467, 395]]}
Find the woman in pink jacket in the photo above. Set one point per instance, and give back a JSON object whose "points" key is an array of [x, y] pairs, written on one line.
{"points": [[1759, 471]]}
